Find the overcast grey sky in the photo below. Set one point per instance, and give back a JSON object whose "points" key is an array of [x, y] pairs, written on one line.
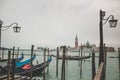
{"points": [[52, 23]]}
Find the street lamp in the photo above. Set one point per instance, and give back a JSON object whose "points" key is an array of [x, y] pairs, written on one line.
{"points": [[113, 23], [16, 29]]}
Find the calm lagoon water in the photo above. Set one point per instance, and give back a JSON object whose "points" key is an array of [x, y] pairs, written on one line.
{"points": [[73, 68]]}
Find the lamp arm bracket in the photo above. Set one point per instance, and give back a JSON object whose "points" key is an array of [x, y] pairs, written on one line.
{"points": [[106, 20], [7, 27], [11, 24]]}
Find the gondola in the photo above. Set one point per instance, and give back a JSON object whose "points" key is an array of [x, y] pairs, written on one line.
{"points": [[3, 63], [20, 64], [72, 57], [20, 58], [37, 69], [3, 70]]}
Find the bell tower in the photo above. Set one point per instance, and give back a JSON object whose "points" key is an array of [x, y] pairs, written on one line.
{"points": [[76, 41]]}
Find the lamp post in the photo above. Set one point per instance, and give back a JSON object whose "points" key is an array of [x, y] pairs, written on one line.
{"points": [[113, 23], [16, 29]]}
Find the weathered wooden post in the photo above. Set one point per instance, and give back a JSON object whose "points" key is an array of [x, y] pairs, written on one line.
{"points": [[84, 51], [93, 64], [13, 52], [17, 52], [44, 62], [63, 64], [79, 56], [8, 69], [48, 59], [3, 53], [57, 61], [66, 54], [13, 68], [119, 60], [81, 62], [119, 56], [32, 49]]}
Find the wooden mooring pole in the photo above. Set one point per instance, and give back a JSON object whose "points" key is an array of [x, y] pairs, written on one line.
{"points": [[3, 53], [79, 56], [32, 49], [13, 52], [93, 64], [8, 69], [119, 56], [66, 54], [13, 68], [17, 53], [57, 61], [119, 61], [63, 64], [44, 62], [84, 51], [48, 59], [81, 62]]}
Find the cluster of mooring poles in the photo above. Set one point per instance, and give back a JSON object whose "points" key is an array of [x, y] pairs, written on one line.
{"points": [[11, 60], [13, 52], [65, 61], [46, 50]]}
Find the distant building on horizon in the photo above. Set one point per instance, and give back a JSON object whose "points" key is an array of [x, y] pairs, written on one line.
{"points": [[85, 46], [109, 49]]}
